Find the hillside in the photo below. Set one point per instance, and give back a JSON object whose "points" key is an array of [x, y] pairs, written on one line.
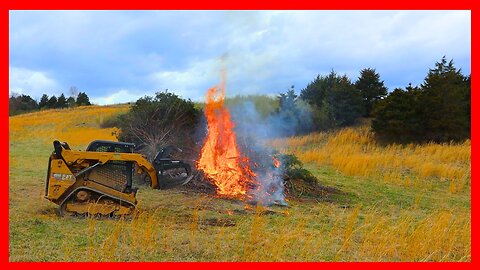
{"points": [[396, 203]]}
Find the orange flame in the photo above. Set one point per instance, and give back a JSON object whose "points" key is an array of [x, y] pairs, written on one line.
{"points": [[220, 158], [276, 162]]}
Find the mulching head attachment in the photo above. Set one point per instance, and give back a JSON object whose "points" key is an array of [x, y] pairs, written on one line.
{"points": [[171, 173]]}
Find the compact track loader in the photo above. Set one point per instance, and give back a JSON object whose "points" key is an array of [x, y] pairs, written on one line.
{"points": [[98, 181]]}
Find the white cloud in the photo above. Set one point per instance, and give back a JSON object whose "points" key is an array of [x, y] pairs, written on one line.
{"points": [[267, 50], [246, 74], [31, 82], [191, 82], [122, 96]]}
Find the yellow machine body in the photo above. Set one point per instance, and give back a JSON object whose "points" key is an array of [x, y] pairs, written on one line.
{"points": [[97, 182]]}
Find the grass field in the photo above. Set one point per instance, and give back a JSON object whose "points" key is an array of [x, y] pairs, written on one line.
{"points": [[398, 203]]}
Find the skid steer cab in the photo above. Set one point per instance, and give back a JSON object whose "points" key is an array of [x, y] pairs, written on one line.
{"points": [[98, 181]]}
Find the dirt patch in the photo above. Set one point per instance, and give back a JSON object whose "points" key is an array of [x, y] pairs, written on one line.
{"points": [[295, 189], [220, 222], [298, 189], [48, 211], [200, 184]]}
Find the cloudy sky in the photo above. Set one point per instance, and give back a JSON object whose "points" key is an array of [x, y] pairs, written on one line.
{"points": [[119, 56]]}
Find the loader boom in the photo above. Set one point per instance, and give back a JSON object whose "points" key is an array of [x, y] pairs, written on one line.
{"points": [[77, 157], [99, 181]]}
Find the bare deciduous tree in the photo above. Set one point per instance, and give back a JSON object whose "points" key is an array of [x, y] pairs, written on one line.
{"points": [[154, 123]]}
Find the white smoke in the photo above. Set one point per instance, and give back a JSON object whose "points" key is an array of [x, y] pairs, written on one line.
{"points": [[253, 130]]}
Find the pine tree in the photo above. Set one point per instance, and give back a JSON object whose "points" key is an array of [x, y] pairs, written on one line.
{"points": [[21, 104], [399, 117], [52, 102], [71, 102], [446, 102], [82, 99], [62, 101], [335, 99], [287, 100], [43, 101], [371, 88], [438, 110], [295, 114]]}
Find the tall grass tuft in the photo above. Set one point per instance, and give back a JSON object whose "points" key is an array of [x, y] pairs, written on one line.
{"points": [[354, 152]]}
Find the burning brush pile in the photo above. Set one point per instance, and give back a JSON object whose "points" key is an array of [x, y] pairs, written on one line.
{"points": [[247, 170]]}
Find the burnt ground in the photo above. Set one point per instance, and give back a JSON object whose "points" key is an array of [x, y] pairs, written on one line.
{"points": [[295, 189]]}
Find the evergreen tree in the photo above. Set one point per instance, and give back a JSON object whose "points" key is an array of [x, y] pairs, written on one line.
{"points": [[287, 100], [43, 101], [439, 110], [399, 116], [316, 90], [52, 102], [83, 99], [371, 88], [345, 101], [294, 112], [446, 102], [21, 104], [71, 102], [335, 100], [62, 101]]}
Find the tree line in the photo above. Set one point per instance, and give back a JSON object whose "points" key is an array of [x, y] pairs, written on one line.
{"points": [[437, 110], [24, 103]]}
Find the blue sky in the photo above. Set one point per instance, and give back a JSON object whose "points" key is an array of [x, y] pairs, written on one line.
{"points": [[119, 56]]}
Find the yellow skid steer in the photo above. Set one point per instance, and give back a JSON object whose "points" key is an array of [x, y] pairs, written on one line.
{"points": [[98, 181]]}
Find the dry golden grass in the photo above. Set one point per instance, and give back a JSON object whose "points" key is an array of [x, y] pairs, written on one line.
{"points": [[353, 151], [400, 203], [322, 234], [78, 126]]}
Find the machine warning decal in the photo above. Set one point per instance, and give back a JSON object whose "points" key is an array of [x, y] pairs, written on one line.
{"points": [[62, 176]]}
